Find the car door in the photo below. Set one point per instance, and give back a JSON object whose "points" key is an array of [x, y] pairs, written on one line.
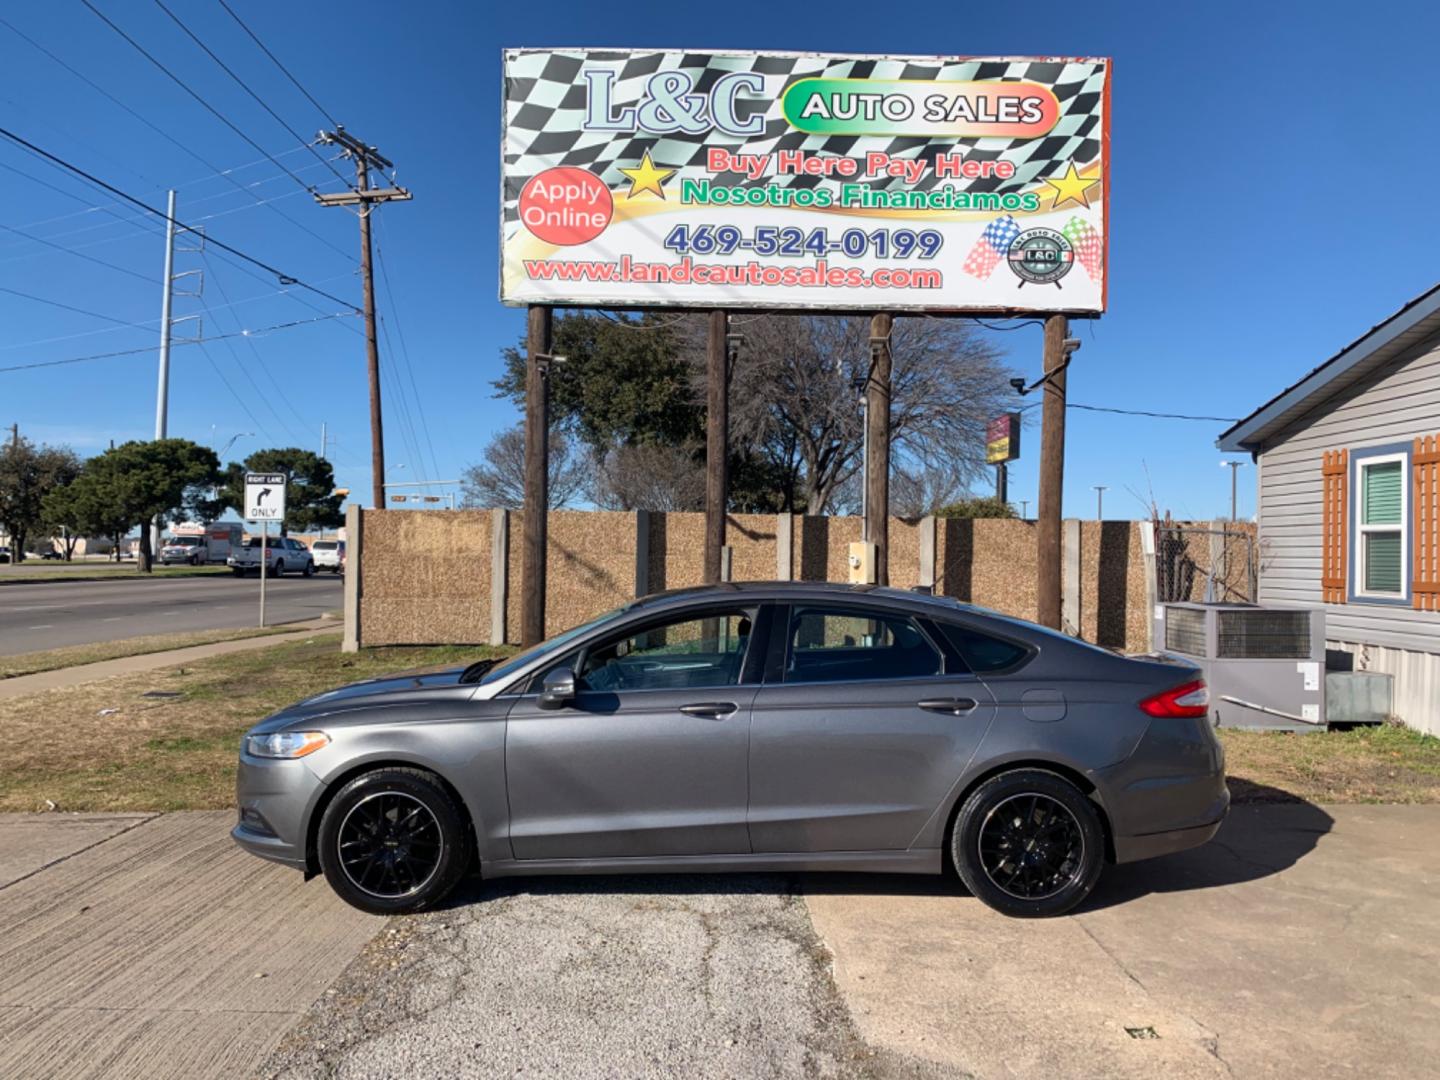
{"points": [[864, 724], [650, 757]]}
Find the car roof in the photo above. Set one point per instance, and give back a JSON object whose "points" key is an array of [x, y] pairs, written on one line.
{"points": [[799, 590]]}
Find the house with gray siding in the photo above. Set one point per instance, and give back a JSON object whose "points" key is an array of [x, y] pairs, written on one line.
{"points": [[1348, 468]]}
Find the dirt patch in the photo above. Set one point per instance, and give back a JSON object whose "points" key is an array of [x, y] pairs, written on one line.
{"points": [[1387, 764]]}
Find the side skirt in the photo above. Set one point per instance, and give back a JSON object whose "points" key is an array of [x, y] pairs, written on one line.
{"points": [[915, 861]]}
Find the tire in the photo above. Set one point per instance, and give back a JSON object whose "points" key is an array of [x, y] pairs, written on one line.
{"points": [[309, 569], [238, 571], [1047, 822], [194, 560], [279, 570], [381, 878]]}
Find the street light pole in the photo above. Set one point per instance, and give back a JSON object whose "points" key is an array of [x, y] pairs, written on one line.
{"points": [[1100, 490], [1235, 467]]}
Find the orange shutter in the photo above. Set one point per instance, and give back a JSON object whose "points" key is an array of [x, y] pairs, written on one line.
{"points": [[1425, 512], [1334, 525]]}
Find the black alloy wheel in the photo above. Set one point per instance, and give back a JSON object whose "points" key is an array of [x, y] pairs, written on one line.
{"points": [[1028, 843], [393, 841]]}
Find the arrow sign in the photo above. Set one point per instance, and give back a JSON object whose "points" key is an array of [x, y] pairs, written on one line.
{"points": [[265, 496]]}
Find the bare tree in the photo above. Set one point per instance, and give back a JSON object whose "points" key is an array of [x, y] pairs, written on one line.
{"points": [[659, 478], [500, 479], [920, 488], [796, 395]]}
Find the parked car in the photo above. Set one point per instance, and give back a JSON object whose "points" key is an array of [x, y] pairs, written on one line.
{"points": [[4, 554], [328, 555], [747, 727], [283, 554], [51, 554]]}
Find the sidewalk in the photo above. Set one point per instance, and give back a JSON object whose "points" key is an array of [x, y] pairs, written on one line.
{"points": [[135, 946], [128, 665]]}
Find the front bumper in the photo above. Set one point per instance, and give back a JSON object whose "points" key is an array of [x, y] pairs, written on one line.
{"points": [[275, 798]]}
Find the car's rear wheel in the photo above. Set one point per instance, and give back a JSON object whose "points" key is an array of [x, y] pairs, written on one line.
{"points": [[393, 841], [309, 569], [279, 568], [238, 571], [1028, 843]]}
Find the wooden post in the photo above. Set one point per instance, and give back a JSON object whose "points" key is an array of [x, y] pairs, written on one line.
{"points": [[877, 428], [717, 441], [1052, 475], [537, 477]]}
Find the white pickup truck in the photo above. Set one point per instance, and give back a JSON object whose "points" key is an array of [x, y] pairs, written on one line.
{"points": [[284, 554]]}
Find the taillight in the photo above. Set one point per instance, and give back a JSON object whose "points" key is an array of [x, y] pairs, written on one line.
{"points": [[1188, 699]]}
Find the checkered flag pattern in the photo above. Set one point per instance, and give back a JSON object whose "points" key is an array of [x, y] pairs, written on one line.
{"points": [[1086, 240], [545, 103], [994, 242]]}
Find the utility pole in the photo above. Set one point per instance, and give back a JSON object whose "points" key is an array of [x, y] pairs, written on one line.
{"points": [[15, 438], [1024, 509], [1056, 358], [1099, 490], [717, 440], [877, 433], [535, 524], [324, 441], [367, 198], [162, 390]]}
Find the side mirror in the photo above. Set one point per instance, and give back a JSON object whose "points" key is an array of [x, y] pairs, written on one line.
{"points": [[558, 689]]}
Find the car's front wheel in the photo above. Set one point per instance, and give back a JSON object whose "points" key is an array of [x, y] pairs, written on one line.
{"points": [[393, 841], [1028, 843], [309, 569]]}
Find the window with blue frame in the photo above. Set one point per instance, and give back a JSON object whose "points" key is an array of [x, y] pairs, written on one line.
{"points": [[1381, 525]]}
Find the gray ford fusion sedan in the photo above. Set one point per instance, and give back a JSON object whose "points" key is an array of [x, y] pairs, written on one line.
{"points": [[764, 726]]}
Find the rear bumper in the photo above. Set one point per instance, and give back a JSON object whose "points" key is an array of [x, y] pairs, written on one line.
{"points": [[1149, 845]]}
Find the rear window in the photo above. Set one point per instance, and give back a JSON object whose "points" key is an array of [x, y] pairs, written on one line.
{"points": [[323, 545], [981, 652]]}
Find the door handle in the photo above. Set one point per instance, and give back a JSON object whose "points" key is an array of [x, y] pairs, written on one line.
{"points": [[954, 706], [715, 710]]}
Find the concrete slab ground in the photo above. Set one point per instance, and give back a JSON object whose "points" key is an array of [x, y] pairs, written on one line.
{"points": [[31, 842], [162, 951], [1302, 942]]}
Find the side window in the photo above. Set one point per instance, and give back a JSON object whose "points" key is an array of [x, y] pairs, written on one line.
{"points": [[981, 652], [1381, 526], [689, 653], [844, 644]]}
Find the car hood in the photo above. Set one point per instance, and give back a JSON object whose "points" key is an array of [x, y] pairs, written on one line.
{"points": [[393, 690]]}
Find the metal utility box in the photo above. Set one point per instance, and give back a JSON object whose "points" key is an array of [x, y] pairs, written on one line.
{"points": [[1265, 665], [1358, 697]]}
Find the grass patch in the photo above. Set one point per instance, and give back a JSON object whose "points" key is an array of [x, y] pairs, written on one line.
{"points": [[1386, 764], [67, 746], [73, 655], [31, 571]]}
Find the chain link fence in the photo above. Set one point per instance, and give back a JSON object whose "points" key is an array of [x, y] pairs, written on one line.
{"points": [[1205, 564]]}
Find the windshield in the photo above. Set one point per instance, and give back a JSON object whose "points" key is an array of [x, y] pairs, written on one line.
{"points": [[184, 541], [554, 644]]}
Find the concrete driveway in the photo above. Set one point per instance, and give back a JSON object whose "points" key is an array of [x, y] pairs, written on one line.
{"points": [[1302, 943]]}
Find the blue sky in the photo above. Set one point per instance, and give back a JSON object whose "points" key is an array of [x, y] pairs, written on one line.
{"points": [[1264, 160]]}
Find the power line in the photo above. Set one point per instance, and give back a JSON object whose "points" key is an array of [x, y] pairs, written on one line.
{"points": [[215, 170], [285, 279], [238, 399], [77, 254], [405, 356], [67, 307], [246, 87], [186, 87], [1137, 412], [187, 341], [308, 96]]}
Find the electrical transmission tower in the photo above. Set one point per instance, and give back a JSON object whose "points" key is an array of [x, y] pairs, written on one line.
{"points": [[366, 198]]}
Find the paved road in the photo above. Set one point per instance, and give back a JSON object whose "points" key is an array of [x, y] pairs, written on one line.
{"points": [[56, 613]]}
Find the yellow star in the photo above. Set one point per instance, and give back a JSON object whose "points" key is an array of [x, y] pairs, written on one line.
{"points": [[646, 177], [1072, 186]]}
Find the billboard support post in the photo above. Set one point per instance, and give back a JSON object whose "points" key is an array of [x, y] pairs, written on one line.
{"points": [[1052, 472], [877, 431], [717, 440], [1002, 484], [537, 475]]}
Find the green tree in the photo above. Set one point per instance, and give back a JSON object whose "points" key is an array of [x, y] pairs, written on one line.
{"points": [[989, 507], [27, 475], [137, 482], [87, 506], [624, 382], [310, 499]]}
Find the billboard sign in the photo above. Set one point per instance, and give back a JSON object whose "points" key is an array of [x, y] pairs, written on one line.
{"points": [[1002, 439], [667, 178]]}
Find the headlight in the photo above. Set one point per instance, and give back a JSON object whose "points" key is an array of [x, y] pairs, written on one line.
{"points": [[285, 744]]}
